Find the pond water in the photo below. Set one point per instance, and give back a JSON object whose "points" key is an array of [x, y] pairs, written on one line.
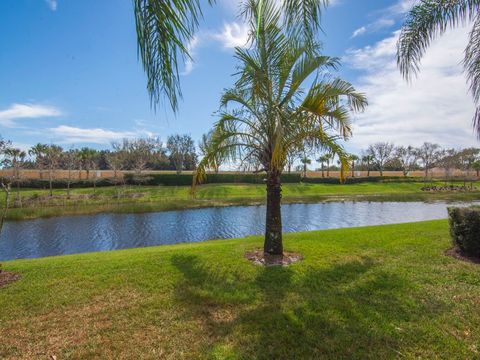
{"points": [[79, 234]]}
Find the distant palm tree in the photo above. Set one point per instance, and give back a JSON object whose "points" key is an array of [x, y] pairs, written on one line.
{"points": [[305, 161], [38, 151], [353, 158], [276, 108], [368, 159], [322, 160], [431, 18], [166, 27], [15, 159]]}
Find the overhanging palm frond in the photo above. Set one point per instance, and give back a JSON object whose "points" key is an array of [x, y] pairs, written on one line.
{"points": [[164, 29], [472, 68], [428, 20]]}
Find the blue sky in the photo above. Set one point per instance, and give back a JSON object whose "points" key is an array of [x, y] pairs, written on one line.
{"points": [[69, 74]]}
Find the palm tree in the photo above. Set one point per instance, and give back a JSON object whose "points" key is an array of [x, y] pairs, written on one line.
{"points": [[305, 161], [15, 159], [272, 109], [322, 160], [52, 154], [166, 27], [431, 18], [353, 158], [368, 159], [329, 157], [38, 151]]}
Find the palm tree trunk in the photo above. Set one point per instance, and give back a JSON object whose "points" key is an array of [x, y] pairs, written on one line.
{"points": [[328, 168], [19, 196], [323, 170], [273, 231], [50, 182]]}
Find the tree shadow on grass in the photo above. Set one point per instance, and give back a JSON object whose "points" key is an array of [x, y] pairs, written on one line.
{"points": [[350, 310]]}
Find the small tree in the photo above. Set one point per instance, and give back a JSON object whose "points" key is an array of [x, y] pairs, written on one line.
{"points": [[322, 160], [381, 153], [52, 155], [180, 148], [292, 156], [71, 160], [367, 160], [38, 152], [406, 157], [15, 158], [87, 156], [116, 161], [305, 162], [428, 154], [449, 160], [467, 158], [353, 159]]}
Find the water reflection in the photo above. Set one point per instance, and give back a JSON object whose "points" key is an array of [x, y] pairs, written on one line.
{"points": [[77, 234]]}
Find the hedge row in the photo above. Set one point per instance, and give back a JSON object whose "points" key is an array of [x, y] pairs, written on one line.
{"points": [[359, 180], [186, 180], [63, 184]]}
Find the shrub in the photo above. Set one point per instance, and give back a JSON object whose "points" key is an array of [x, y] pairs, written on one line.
{"points": [[186, 179], [465, 229]]}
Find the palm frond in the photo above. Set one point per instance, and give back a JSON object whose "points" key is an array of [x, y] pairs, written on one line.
{"points": [[164, 28], [425, 22]]}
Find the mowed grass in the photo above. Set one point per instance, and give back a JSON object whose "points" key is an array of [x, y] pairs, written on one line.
{"points": [[365, 293], [36, 203]]}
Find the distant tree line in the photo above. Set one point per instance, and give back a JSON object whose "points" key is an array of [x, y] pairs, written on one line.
{"points": [[385, 156]]}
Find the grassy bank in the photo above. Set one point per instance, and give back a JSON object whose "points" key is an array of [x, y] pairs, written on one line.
{"points": [[365, 293], [37, 203]]}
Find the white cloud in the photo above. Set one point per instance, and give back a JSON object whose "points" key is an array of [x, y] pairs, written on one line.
{"points": [[386, 18], [230, 36], [436, 107], [190, 62], [65, 134], [360, 31], [9, 116], [52, 4], [233, 34]]}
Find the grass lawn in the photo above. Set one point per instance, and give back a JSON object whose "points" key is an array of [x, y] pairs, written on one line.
{"points": [[365, 293], [159, 198]]}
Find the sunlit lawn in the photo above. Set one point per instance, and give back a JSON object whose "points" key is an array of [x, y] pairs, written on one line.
{"points": [[365, 293]]}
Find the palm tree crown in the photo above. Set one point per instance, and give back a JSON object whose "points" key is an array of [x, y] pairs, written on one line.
{"points": [[431, 18]]}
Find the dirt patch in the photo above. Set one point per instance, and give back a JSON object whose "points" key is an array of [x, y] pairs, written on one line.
{"points": [[258, 257], [456, 253], [7, 277]]}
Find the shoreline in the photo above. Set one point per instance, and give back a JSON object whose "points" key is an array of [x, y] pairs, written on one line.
{"points": [[32, 213]]}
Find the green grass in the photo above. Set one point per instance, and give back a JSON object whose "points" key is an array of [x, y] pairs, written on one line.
{"points": [[160, 198], [365, 293]]}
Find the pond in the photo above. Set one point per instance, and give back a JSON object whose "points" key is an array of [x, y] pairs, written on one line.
{"points": [[79, 234]]}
